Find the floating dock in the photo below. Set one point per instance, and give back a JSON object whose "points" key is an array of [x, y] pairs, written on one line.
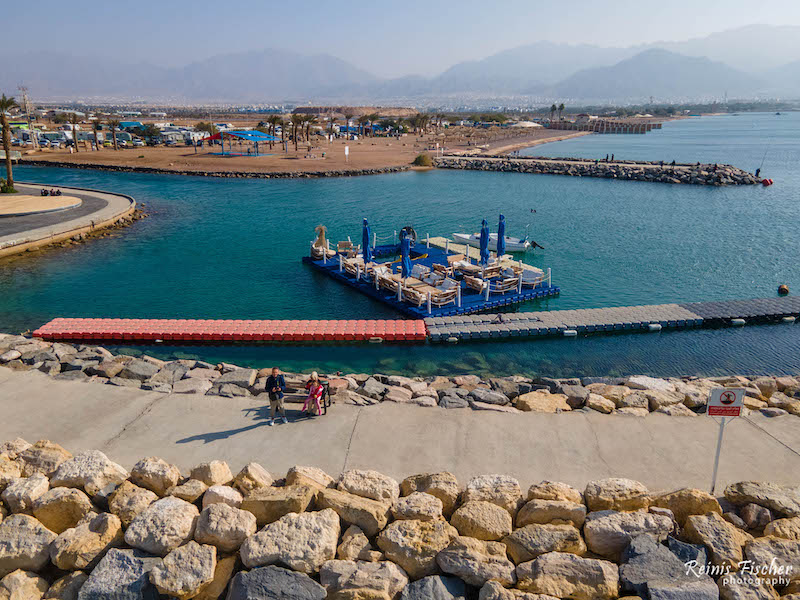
{"points": [[436, 329], [471, 301]]}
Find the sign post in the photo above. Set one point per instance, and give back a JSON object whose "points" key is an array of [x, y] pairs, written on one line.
{"points": [[727, 404], [347, 154]]}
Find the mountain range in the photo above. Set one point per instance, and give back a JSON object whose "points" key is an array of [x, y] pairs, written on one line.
{"points": [[750, 62]]}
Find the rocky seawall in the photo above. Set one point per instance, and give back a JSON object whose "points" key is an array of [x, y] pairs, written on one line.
{"points": [[635, 396], [82, 527], [691, 174], [223, 174]]}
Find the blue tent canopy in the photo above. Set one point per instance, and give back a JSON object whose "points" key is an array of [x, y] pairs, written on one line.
{"points": [[252, 136]]}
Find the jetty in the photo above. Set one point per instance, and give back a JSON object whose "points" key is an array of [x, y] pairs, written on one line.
{"points": [[651, 171]]}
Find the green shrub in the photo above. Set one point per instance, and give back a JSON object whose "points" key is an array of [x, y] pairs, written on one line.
{"points": [[423, 160], [5, 188]]}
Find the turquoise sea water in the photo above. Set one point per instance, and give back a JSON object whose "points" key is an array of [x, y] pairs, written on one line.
{"points": [[217, 248]]}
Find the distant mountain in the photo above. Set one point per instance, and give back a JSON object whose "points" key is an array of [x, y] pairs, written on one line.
{"points": [[659, 73]]}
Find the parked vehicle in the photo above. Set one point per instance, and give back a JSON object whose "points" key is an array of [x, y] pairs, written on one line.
{"points": [[55, 144], [16, 142], [170, 143], [122, 144], [43, 143], [138, 143]]}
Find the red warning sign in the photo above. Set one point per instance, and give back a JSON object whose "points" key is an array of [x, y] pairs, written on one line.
{"points": [[725, 403]]}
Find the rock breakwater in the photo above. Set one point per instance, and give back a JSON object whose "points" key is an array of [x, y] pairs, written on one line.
{"points": [[83, 527], [692, 174], [635, 396]]}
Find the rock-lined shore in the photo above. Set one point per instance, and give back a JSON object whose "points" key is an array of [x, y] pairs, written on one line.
{"points": [[223, 174], [82, 527], [634, 396], [652, 171]]}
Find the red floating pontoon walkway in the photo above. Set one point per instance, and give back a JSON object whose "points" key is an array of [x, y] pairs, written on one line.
{"points": [[198, 330]]}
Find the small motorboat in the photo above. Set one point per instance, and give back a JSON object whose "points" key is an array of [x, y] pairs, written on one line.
{"points": [[512, 244]]}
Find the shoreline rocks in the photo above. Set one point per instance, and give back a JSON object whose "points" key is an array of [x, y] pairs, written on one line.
{"points": [[364, 536]]}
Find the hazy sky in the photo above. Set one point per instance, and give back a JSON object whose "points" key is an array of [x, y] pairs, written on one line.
{"points": [[389, 38]]}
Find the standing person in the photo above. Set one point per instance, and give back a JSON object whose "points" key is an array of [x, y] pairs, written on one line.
{"points": [[315, 391], [276, 385]]}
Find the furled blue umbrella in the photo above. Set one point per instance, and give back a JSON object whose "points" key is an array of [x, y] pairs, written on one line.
{"points": [[484, 243], [501, 237], [365, 241], [405, 254]]}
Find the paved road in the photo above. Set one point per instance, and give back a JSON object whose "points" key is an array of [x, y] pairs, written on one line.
{"points": [[90, 204], [661, 451]]}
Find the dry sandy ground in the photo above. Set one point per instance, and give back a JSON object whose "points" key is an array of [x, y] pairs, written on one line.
{"points": [[365, 153]]}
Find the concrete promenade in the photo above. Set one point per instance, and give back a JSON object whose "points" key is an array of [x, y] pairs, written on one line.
{"points": [[661, 451], [97, 210]]}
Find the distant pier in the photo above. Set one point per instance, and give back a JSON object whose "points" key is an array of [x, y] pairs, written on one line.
{"points": [[652, 171]]}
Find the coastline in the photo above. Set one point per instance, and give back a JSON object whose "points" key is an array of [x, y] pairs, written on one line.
{"points": [[534, 143]]}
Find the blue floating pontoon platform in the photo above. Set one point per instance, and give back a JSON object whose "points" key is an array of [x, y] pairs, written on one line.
{"points": [[471, 300]]}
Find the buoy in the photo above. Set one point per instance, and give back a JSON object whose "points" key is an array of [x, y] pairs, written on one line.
{"points": [[570, 333], [376, 340], [738, 322], [766, 182], [452, 340], [654, 327], [783, 290], [789, 319]]}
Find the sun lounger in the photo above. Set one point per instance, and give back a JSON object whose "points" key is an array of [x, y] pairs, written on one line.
{"points": [[475, 283], [317, 253], [506, 285]]}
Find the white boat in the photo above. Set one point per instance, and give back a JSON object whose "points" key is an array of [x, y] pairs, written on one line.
{"points": [[512, 244]]}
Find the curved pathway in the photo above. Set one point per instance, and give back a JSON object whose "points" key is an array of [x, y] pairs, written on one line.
{"points": [[98, 209]]}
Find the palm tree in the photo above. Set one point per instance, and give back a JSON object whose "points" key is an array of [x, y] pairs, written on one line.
{"points": [[331, 124], [74, 119], [297, 123], [362, 122], [347, 117], [310, 120], [274, 121], [7, 104], [113, 125], [282, 123], [560, 110], [97, 125], [553, 110]]}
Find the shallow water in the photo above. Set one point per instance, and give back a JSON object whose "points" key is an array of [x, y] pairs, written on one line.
{"points": [[218, 248]]}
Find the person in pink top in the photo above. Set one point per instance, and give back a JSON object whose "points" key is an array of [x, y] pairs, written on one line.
{"points": [[315, 391]]}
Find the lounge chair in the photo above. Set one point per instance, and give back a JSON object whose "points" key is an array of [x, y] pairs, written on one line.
{"points": [[506, 285], [347, 249], [444, 297], [317, 253], [475, 283], [532, 279]]}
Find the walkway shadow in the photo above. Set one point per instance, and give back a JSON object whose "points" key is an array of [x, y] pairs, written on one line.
{"points": [[257, 413]]}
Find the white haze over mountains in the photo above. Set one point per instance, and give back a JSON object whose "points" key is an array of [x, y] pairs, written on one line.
{"points": [[758, 61]]}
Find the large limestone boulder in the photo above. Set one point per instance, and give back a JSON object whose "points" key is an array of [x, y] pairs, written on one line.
{"points": [[122, 574], [24, 544], [788, 529], [216, 472], [222, 494], [556, 512], [616, 494], [569, 576], [414, 544], [494, 591], [10, 469], [502, 490], [482, 520], [222, 576], [418, 505], [190, 490], [435, 587], [686, 502], [343, 575], [643, 382], [542, 401], [476, 561], [526, 543], [224, 527], [252, 477], [67, 588], [13, 448], [615, 393], [155, 474], [82, 547], [90, 471], [303, 542], [609, 532], [163, 526], [762, 551], [300, 475], [443, 486], [22, 585], [21, 494], [274, 583], [43, 457], [128, 500], [600, 404], [554, 490], [783, 500], [356, 546], [60, 508], [369, 484], [370, 515], [269, 504], [738, 585], [723, 541], [185, 571]]}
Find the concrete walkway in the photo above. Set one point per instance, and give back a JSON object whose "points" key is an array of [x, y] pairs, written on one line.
{"points": [[96, 208], [661, 451]]}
